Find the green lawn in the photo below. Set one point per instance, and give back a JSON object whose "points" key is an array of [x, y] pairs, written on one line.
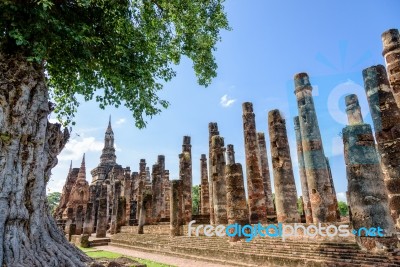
{"points": [[97, 253]]}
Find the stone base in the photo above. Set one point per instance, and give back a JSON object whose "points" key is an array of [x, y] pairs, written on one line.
{"points": [[379, 244]]}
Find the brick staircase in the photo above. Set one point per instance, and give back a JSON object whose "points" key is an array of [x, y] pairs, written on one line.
{"points": [[259, 252]]}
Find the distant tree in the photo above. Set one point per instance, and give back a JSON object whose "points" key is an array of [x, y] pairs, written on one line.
{"points": [[300, 206], [118, 52], [53, 199], [343, 208], [195, 199]]}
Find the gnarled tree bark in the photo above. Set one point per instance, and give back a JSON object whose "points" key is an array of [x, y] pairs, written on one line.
{"points": [[29, 146]]}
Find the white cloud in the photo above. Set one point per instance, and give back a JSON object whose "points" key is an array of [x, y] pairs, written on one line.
{"points": [[120, 121], [341, 196], [75, 148], [226, 102]]}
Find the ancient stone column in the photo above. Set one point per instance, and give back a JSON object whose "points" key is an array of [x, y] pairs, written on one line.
{"points": [[70, 216], [302, 172], [185, 174], [391, 52], [161, 164], [141, 186], [212, 130], [117, 193], [255, 185], [102, 223], [121, 213], [319, 186], [218, 179], [94, 194], [263, 161], [366, 189], [386, 119], [204, 187], [328, 165], [176, 200], [236, 205], [285, 187], [79, 220], [156, 193], [88, 223], [167, 192], [230, 154]]}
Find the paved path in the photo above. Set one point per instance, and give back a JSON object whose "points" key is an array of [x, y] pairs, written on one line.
{"points": [[180, 262]]}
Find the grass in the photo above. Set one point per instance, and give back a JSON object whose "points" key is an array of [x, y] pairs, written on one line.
{"points": [[96, 253]]}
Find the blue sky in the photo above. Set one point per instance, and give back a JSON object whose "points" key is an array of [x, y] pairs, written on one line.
{"points": [[270, 42]]}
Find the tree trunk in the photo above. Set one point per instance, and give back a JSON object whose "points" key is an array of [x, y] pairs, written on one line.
{"points": [[29, 146]]}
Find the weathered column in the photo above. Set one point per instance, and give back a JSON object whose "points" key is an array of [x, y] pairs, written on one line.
{"points": [[79, 220], [263, 161], [302, 172], [94, 194], [127, 185], [141, 186], [285, 187], [319, 186], [70, 216], [144, 212], [328, 165], [185, 174], [366, 189], [156, 193], [255, 186], [204, 187], [386, 119], [161, 164], [391, 52], [176, 200], [218, 179], [121, 213], [102, 222], [212, 131], [115, 200], [88, 223], [167, 193], [236, 205], [230, 154]]}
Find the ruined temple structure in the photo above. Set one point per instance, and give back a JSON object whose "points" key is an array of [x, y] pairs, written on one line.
{"points": [[321, 192], [255, 184], [386, 120], [148, 211], [115, 197], [366, 188], [73, 204], [285, 187]]}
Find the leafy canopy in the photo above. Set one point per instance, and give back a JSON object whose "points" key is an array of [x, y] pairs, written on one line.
{"points": [[116, 51]]}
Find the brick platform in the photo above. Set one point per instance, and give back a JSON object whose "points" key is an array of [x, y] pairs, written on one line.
{"points": [[262, 251]]}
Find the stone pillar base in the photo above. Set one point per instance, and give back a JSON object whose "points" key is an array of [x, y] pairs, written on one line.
{"points": [[379, 244]]}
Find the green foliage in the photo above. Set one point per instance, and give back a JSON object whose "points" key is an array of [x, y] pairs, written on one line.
{"points": [[195, 199], [53, 199], [343, 208], [118, 52], [300, 206]]}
